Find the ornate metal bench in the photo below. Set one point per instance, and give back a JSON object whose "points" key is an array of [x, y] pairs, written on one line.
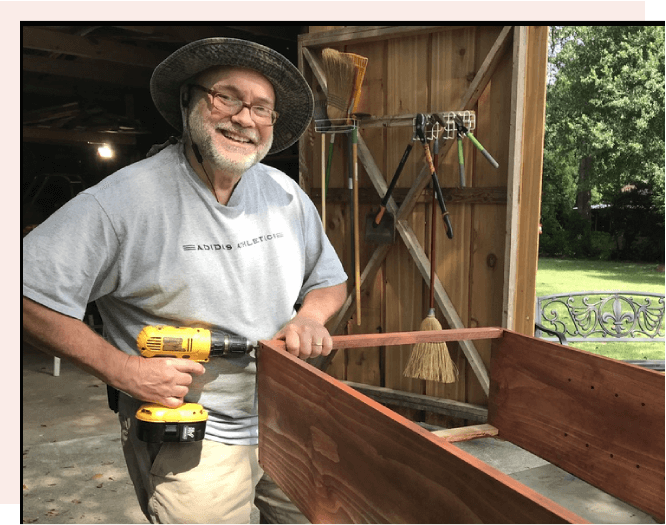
{"points": [[602, 317]]}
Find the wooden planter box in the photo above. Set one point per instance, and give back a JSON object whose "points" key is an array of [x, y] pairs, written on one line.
{"points": [[344, 458]]}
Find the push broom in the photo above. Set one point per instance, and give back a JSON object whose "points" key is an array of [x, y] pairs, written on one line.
{"points": [[432, 361], [344, 76]]}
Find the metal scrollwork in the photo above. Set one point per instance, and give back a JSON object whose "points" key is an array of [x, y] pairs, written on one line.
{"points": [[603, 316]]}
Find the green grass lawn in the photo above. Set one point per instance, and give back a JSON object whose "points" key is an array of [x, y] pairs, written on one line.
{"points": [[561, 275]]}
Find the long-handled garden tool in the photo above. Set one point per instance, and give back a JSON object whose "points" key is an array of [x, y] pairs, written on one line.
{"points": [[435, 181], [357, 255], [432, 361], [345, 73], [379, 226]]}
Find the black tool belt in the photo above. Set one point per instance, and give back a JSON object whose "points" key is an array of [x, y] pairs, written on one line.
{"points": [[112, 395]]}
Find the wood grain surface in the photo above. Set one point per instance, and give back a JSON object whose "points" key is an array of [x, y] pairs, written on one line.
{"points": [[343, 458], [597, 418], [412, 338]]}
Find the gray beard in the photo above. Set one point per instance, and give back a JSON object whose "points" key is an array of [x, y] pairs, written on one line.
{"points": [[204, 142]]}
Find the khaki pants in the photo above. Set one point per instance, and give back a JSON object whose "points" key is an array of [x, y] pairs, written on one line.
{"points": [[202, 482]]}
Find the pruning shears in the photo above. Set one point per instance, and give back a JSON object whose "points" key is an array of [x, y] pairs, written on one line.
{"points": [[464, 132], [419, 130], [396, 175], [461, 156]]}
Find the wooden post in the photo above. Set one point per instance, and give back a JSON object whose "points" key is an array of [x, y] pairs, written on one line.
{"points": [[514, 172]]}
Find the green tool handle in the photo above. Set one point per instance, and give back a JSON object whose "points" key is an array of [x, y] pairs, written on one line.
{"points": [[329, 162], [461, 162], [482, 150]]}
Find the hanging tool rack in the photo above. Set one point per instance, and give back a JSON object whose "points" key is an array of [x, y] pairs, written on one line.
{"points": [[490, 79]]}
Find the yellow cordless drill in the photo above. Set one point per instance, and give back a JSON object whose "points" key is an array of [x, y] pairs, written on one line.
{"points": [[187, 423]]}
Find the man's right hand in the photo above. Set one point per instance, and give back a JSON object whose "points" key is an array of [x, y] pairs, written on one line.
{"points": [[156, 380], [161, 380]]}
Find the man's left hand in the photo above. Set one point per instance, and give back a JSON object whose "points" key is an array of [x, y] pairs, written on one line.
{"points": [[305, 338]]}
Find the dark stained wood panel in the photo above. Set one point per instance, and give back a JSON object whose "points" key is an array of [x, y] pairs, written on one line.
{"points": [[344, 458], [597, 418]]}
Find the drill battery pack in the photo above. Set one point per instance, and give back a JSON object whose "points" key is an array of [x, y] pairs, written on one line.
{"points": [[185, 424]]}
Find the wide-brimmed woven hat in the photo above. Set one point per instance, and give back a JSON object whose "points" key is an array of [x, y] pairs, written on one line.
{"points": [[294, 100]]}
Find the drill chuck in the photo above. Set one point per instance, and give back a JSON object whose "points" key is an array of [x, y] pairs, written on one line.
{"points": [[228, 345]]}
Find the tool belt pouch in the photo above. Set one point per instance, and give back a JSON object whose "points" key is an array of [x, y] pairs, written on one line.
{"points": [[112, 396]]}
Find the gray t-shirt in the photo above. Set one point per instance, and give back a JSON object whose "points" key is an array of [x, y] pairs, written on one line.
{"points": [[151, 246]]}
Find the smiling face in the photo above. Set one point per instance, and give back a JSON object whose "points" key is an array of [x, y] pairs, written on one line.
{"points": [[231, 143]]}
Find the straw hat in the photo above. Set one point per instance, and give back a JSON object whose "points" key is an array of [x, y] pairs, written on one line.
{"points": [[294, 100]]}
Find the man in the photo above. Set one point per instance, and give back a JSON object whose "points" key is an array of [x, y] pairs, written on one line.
{"points": [[199, 234]]}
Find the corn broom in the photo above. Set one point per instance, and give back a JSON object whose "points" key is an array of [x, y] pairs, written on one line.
{"points": [[432, 361]]}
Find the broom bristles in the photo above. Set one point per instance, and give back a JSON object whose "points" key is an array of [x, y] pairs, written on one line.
{"points": [[361, 64], [431, 361], [344, 73]]}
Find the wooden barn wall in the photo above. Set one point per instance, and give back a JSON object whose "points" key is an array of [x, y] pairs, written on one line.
{"points": [[425, 72]]}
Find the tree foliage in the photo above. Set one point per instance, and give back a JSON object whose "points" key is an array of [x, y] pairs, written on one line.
{"points": [[605, 112]]}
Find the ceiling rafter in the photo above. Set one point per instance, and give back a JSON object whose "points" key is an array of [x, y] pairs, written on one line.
{"points": [[86, 47], [108, 68]]}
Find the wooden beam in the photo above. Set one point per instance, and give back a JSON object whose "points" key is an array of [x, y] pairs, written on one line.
{"points": [[57, 42], [90, 70], [63, 111], [65, 136], [412, 338], [344, 458], [435, 405], [597, 418], [488, 67], [317, 69], [144, 30], [467, 195], [364, 34], [531, 179], [515, 169]]}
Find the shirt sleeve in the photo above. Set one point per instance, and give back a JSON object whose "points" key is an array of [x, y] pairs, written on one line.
{"points": [[322, 264], [68, 259]]}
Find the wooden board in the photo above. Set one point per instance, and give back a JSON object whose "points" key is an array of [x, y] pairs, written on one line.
{"points": [[530, 191], [343, 458], [597, 418], [455, 435]]}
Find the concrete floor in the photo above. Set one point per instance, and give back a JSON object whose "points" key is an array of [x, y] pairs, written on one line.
{"points": [[74, 470], [73, 466], [556, 484]]}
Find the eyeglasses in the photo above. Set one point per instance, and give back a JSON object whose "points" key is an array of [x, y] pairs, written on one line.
{"points": [[231, 106]]}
